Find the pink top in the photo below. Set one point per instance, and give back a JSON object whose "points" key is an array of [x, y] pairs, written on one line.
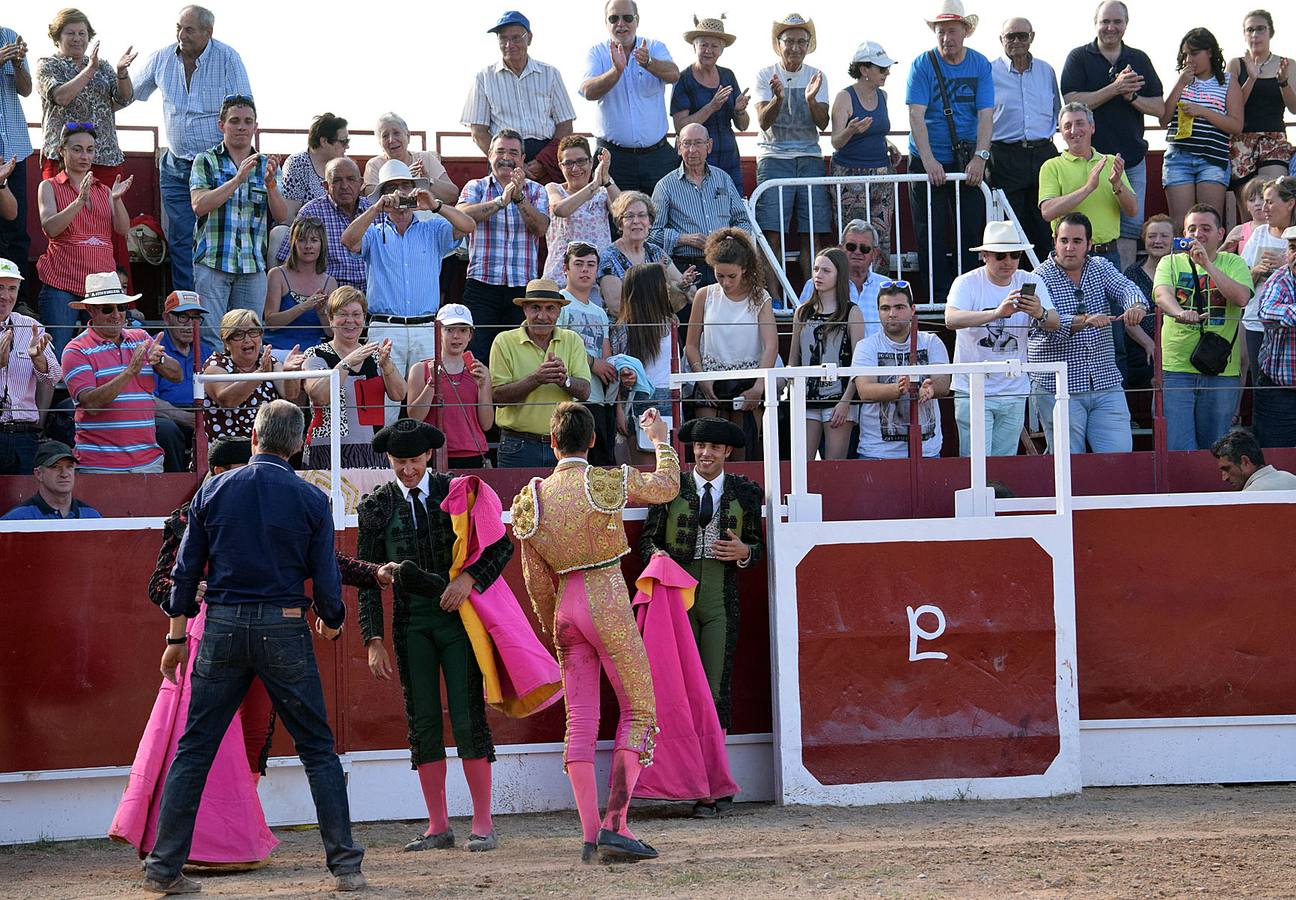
{"points": [[85, 246], [458, 398], [122, 435]]}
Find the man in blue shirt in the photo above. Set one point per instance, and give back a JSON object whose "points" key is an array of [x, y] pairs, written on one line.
{"points": [[958, 144], [195, 74], [175, 399], [1027, 103], [55, 474], [259, 533]]}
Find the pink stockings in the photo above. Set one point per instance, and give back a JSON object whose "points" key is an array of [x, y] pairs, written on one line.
{"points": [[432, 778], [625, 772]]}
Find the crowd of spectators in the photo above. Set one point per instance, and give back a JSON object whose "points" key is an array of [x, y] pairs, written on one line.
{"points": [[593, 272]]}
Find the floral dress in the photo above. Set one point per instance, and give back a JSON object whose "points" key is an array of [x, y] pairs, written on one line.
{"points": [[589, 224], [219, 421], [97, 102]]}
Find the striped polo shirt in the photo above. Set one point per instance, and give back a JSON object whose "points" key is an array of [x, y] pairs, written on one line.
{"points": [[85, 246], [122, 435]]}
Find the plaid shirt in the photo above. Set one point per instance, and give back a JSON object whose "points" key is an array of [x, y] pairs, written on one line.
{"points": [[501, 251], [191, 110], [233, 237], [345, 267], [1089, 354], [1278, 313], [14, 139]]}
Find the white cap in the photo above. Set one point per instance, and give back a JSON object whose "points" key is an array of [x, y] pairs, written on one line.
{"points": [[9, 269], [872, 52], [455, 314]]}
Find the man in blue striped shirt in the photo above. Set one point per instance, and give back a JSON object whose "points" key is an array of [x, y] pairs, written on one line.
{"points": [[195, 74], [693, 201]]}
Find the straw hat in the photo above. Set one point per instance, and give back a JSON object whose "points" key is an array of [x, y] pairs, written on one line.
{"points": [[1000, 237], [787, 23], [709, 28], [542, 289], [952, 11], [103, 289]]}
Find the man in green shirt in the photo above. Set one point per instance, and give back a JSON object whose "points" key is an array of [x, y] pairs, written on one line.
{"points": [[1201, 292], [534, 368]]}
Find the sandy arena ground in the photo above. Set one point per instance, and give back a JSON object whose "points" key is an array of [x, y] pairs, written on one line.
{"points": [[1117, 842]]}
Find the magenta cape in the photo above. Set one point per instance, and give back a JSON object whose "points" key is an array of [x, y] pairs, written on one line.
{"points": [[230, 827], [690, 762], [518, 674]]}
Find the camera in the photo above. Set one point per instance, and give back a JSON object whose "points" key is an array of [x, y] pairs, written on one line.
{"points": [[1181, 245], [407, 201]]}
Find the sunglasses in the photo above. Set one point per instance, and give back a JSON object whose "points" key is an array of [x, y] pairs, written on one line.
{"points": [[1000, 255], [852, 247], [584, 245], [1017, 36], [110, 308], [627, 18], [244, 333], [887, 285], [345, 142], [238, 100]]}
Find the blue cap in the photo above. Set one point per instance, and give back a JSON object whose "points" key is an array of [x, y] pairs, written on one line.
{"points": [[512, 17]]}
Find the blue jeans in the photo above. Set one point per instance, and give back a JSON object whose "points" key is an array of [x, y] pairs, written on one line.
{"points": [[59, 319], [1198, 408], [18, 452], [1004, 418], [1275, 413], [1132, 226], [1100, 418], [222, 291], [173, 182], [242, 641], [796, 201], [516, 453], [15, 243]]}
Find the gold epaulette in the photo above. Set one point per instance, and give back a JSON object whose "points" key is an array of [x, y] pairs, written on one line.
{"points": [[524, 511], [606, 488]]}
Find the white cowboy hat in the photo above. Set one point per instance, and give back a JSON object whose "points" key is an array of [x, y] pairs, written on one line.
{"points": [[787, 23], [1000, 237], [709, 28], [395, 170], [952, 11], [103, 289]]}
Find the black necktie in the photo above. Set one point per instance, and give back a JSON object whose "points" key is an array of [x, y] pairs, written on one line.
{"points": [[707, 510], [420, 511]]}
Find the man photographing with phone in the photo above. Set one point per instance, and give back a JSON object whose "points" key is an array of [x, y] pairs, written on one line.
{"points": [[994, 309]]}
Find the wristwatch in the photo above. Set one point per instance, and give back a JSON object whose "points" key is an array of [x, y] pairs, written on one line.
{"points": [[175, 641], [567, 383], [983, 155]]}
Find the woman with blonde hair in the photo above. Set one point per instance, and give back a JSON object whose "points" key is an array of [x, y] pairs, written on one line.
{"points": [[230, 407], [367, 377], [299, 289]]}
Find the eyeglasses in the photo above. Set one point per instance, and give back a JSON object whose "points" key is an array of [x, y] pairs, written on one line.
{"points": [[1256, 29], [795, 42], [110, 308], [694, 143], [627, 18], [852, 247], [188, 317], [512, 39], [244, 333], [634, 215], [1018, 36], [574, 163], [887, 285], [1000, 256]]}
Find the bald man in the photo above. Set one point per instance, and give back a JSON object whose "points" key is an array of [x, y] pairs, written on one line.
{"points": [[1027, 102], [338, 207], [693, 201]]}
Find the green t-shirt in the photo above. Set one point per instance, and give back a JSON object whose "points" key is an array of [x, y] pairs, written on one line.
{"points": [[1177, 340], [1066, 174]]}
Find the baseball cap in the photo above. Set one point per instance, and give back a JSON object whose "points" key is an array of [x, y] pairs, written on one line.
{"points": [[183, 301], [455, 314], [9, 269], [512, 17], [51, 452], [872, 52]]}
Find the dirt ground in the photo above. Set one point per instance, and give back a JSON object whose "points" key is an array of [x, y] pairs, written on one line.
{"points": [[1212, 840]]}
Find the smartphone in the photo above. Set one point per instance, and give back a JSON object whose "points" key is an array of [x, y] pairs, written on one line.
{"points": [[738, 403], [468, 360], [1028, 289]]}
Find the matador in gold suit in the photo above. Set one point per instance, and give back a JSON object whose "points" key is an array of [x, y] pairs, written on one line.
{"points": [[571, 532]]}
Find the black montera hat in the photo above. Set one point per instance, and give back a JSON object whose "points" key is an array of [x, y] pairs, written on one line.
{"points": [[405, 438], [225, 452], [712, 431]]}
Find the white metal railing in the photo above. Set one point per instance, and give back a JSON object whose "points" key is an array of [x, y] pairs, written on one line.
{"points": [[997, 209], [976, 372], [335, 421]]}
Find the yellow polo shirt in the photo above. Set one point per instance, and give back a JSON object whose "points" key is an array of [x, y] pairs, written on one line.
{"points": [[1066, 173], [514, 356]]}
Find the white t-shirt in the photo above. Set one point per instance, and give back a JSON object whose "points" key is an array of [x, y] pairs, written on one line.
{"points": [[1261, 239], [998, 340], [884, 427]]}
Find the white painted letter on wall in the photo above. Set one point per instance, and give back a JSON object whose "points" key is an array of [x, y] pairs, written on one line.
{"points": [[916, 631]]}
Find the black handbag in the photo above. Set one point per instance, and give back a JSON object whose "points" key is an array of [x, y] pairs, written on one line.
{"points": [[964, 151], [1212, 354], [729, 388]]}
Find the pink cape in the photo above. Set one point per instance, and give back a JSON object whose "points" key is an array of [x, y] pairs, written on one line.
{"points": [[231, 826], [690, 761], [519, 675]]}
